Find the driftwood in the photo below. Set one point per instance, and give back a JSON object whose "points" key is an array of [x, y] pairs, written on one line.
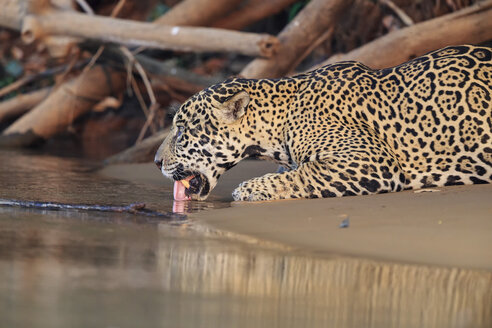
{"points": [[470, 25], [252, 12], [130, 33], [312, 23], [22, 133], [140, 153], [21, 104], [37, 19], [63, 106], [197, 12]]}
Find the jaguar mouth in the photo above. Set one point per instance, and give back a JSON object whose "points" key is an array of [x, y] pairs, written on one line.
{"points": [[191, 185]]}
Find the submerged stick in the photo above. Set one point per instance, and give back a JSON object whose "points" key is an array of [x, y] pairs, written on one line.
{"points": [[136, 208]]}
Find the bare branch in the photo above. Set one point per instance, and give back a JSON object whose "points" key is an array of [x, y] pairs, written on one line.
{"points": [[130, 33]]}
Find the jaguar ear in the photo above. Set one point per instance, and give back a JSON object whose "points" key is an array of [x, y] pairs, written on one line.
{"points": [[234, 108]]}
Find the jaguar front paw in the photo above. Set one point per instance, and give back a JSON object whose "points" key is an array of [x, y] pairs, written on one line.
{"points": [[248, 191]]}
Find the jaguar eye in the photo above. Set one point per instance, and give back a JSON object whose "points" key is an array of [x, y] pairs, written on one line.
{"points": [[180, 133]]}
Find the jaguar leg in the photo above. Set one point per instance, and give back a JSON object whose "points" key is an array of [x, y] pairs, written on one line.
{"points": [[333, 177]]}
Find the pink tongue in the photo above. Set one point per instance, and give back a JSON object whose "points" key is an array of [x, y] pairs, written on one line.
{"points": [[179, 191]]}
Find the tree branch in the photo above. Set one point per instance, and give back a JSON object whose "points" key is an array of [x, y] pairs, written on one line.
{"points": [[130, 33]]}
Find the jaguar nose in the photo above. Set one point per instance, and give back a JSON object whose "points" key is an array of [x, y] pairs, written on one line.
{"points": [[158, 162]]}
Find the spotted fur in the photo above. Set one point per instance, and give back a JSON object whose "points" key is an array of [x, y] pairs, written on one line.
{"points": [[343, 129]]}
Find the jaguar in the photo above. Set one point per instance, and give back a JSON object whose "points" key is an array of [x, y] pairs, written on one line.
{"points": [[341, 130]]}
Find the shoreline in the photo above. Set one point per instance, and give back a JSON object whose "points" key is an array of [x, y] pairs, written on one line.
{"points": [[451, 227]]}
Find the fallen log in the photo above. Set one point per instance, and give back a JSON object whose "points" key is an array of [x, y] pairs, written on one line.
{"points": [[469, 25], [21, 104], [63, 106], [309, 25], [140, 153], [130, 33], [192, 12], [252, 12]]}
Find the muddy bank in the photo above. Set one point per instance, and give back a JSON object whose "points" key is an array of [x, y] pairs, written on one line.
{"points": [[450, 227]]}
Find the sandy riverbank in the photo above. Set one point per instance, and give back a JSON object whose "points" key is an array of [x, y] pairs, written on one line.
{"points": [[451, 227]]}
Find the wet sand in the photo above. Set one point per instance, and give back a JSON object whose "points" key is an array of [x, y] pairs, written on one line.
{"points": [[450, 227]]}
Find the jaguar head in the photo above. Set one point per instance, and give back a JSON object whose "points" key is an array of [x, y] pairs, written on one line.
{"points": [[205, 139]]}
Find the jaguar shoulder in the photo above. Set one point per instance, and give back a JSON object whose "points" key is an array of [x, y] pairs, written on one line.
{"points": [[343, 129]]}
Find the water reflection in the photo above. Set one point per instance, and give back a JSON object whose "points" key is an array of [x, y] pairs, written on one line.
{"points": [[87, 269], [54, 272], [186, 206]]}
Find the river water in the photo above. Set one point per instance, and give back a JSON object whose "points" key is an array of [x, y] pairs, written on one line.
{"points": [[92, 269]]}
